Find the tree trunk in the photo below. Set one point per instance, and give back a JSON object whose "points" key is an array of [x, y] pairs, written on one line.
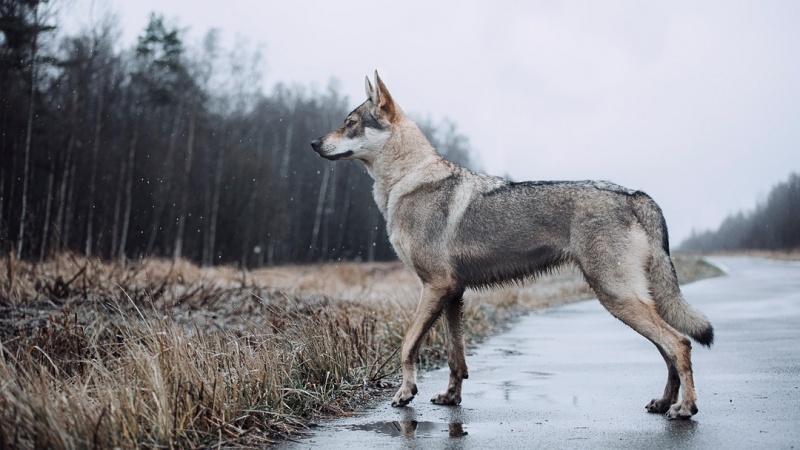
{"points": [[69, 208], [187, 169], [212, 220], [60, 229], [323, 188], [48, 203], [115, 231], [287, 150], [3, 150], [164, 192], [247, 234], [373, 237], [3, 236], [330, 210], [344, 216], [207, 194], [98, 125], [29, 134], [128, 194]]}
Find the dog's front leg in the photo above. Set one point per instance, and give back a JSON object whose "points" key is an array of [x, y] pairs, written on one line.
{"points": [[430, 306]]}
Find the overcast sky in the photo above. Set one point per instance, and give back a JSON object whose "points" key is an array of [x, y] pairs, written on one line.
{"points": [[696, 103]]}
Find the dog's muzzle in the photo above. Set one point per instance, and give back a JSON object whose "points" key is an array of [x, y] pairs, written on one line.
{"points": [[316, 144]]}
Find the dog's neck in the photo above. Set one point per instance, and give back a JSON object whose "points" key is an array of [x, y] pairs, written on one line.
{"points": [[406, 160]]}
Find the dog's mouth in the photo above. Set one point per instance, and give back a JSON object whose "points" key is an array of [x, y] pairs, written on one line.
{"points": [[337, 156]]}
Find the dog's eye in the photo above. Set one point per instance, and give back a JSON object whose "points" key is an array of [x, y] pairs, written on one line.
{"points": [[350, 123]]}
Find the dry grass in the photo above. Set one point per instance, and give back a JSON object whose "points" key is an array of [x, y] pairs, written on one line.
{"points": [[783, 255], [692, 268], [162, 354]]}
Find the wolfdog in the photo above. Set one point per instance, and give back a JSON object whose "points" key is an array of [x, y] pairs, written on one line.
{"points": [[457, 229]]}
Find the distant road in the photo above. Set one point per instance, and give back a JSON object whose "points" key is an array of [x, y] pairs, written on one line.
{"points": [[575, 377]]}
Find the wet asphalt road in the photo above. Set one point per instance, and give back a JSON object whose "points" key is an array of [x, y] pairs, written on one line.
{"points": [[575, 377]]}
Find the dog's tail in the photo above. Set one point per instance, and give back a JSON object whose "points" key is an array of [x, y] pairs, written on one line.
{"points": [[671, 305]]}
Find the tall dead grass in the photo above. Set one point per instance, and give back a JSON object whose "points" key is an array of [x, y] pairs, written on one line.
{"points": [[158, 354], [166, 354]]}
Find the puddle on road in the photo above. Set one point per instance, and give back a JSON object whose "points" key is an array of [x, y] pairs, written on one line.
{"points": [[412, 428]]}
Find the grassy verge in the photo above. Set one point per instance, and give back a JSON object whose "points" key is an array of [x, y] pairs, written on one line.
{"points": [[782, 255], [162, 354]]}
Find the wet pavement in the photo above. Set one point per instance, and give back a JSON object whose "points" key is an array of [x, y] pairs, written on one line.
{"points": [[575, 377]]}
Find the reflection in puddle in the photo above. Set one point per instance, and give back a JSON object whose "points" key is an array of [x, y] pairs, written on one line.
{"points": [[412, 428]]}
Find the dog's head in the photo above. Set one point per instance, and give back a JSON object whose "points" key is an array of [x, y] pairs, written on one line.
{"points": [[365, 130]]}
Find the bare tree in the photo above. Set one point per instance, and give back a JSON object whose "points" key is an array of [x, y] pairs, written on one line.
{"points": [[163, 188], [98, 126], [187, 168], [209, 248], [126, 220], [23, 217], [115, 224], [323, 188], [49, 200]]}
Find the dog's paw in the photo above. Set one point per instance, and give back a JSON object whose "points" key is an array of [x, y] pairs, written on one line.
{"points": [[681, 411], [658, 405], [404, 396], [446, 398]]}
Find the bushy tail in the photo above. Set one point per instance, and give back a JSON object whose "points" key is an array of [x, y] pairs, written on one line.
{"points": [[664, 281]]}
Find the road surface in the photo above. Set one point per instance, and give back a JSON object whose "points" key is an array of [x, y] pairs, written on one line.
{"points": [[575, 377]]}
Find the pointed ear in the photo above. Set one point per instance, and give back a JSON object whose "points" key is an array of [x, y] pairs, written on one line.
{"points": [[372, 94], [385, 101]]}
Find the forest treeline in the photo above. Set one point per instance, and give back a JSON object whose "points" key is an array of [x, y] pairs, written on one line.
{"points": [[773, 225], [172, 151]]}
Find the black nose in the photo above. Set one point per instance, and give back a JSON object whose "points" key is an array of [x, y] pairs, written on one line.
{"points": [[316, 144]]}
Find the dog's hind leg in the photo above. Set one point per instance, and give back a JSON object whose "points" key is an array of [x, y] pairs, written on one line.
{"points": [[674, 347], [455, 354], [670, 397], [615, 263], [433, 300]]}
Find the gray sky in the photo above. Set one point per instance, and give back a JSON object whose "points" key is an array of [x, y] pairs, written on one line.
{"points": [[696, 103]]}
